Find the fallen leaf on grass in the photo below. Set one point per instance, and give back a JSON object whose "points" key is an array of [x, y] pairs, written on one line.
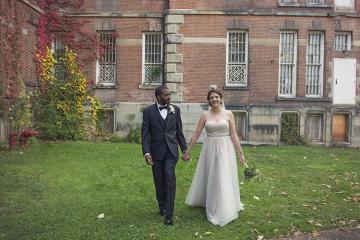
{"points": [[101, 215], [260, 237], [318, 224], [355, 198], [316, 234], [295, 213], [310, 221], [256, 198], [208, 233], [284, 193], [197, 233]]}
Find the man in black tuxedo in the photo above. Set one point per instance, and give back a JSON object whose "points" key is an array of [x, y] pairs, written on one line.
{"points": [[161, 134]]}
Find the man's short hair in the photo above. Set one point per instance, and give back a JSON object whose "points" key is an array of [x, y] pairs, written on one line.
{"points": [[160, 89]]}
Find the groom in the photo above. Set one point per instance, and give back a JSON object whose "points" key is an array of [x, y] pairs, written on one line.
{"points": [[161, 134]]}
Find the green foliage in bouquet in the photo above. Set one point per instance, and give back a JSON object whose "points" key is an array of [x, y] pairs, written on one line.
{"points": [[251, 173]]}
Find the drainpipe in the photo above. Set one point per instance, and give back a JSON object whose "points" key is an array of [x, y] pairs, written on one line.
{"points": [[165, 12]]}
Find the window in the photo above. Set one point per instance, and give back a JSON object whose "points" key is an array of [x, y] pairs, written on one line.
{"points": [[290, 128], [152, 58], [58, 49], [314, 127], [106, 119], [342, 41], [314, 64], [288, 1], [315, 1], [106, 64], [344, 4], [241, 124], [237, 58], [287, 64]]}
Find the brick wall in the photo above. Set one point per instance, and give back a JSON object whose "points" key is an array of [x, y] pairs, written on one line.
{"points": [[124, 6], [205, 64]]}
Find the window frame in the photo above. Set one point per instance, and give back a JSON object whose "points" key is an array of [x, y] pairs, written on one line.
{"points": [[246, 62], [143, 63], [98, 62], [58, 41], [293, 87], [246, 123], [349, 40], [321, 70]]}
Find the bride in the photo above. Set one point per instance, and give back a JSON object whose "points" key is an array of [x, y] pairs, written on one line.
{"points": [[215, 185]]}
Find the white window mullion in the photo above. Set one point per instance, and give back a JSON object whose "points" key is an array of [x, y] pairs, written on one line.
{"points": [[237, 58], [106, 67], [287, 64], [152, 58], [314, 64]]}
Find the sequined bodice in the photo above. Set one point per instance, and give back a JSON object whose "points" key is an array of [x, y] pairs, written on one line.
{"points": [[217, 128]]}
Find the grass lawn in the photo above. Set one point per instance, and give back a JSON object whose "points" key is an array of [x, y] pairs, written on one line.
{"points": [[57, 190]]}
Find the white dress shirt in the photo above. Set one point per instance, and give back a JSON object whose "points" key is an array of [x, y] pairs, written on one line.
{"points": [[163, 112]]}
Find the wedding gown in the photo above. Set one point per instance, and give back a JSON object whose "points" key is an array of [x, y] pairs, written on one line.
{"points": [[215, 185]]}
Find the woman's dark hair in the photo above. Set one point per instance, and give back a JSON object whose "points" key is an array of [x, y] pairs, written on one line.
{"points": [[160, 89], [214, 90]]}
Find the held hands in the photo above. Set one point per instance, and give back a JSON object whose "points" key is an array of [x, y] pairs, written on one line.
{"points": [[186, 155]]}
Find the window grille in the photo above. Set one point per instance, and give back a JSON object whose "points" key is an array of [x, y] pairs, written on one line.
{"points": [[152, 58], [237, 59], [288, 1], [315, 1], [287, 58], [314, 64], [107, 59], [342, 41], [59, 51]]}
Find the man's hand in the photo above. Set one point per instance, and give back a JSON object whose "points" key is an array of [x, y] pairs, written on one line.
{"points": [[186, 156], [148, 159]]}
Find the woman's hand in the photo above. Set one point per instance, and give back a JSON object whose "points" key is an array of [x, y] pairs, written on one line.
{"points": [[242, 159]]}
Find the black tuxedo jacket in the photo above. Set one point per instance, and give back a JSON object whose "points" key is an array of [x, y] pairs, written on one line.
{"points": [[158, 134]]}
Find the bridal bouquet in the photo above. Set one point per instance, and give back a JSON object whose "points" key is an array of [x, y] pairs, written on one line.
{"points": [[250, 172]]}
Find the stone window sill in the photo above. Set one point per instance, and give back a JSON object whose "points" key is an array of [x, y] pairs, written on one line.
{"points": [[304, 99], [244, 88], [306, 5], [149, 86], [104, 87]]}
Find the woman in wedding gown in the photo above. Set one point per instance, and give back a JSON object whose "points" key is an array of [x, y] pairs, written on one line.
{"points": [[215, 185]]}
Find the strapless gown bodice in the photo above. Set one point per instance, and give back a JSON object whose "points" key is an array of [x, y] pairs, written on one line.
{"points": [[217, 128]]}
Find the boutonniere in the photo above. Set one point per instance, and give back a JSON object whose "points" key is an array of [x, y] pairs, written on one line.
{"points": [[171, 109]]}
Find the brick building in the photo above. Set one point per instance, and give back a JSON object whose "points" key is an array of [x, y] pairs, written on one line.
{"points": [[27, 13], [271, 58]]}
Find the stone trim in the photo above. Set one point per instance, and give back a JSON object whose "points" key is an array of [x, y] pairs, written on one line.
{"points": [[118, 14], [260, 13], [129, 42]]}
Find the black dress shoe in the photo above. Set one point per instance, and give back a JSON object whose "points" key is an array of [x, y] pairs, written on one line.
{"points": [[168, 221]]}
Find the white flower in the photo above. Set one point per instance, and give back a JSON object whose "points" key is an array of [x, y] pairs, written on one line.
{"points": [[172, 109]]}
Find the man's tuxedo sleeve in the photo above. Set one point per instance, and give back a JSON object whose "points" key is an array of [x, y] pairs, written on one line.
{"points": [[179, 131], [145, 132]]}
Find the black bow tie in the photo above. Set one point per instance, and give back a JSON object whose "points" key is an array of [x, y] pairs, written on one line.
{"points": [[163, 107]]}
